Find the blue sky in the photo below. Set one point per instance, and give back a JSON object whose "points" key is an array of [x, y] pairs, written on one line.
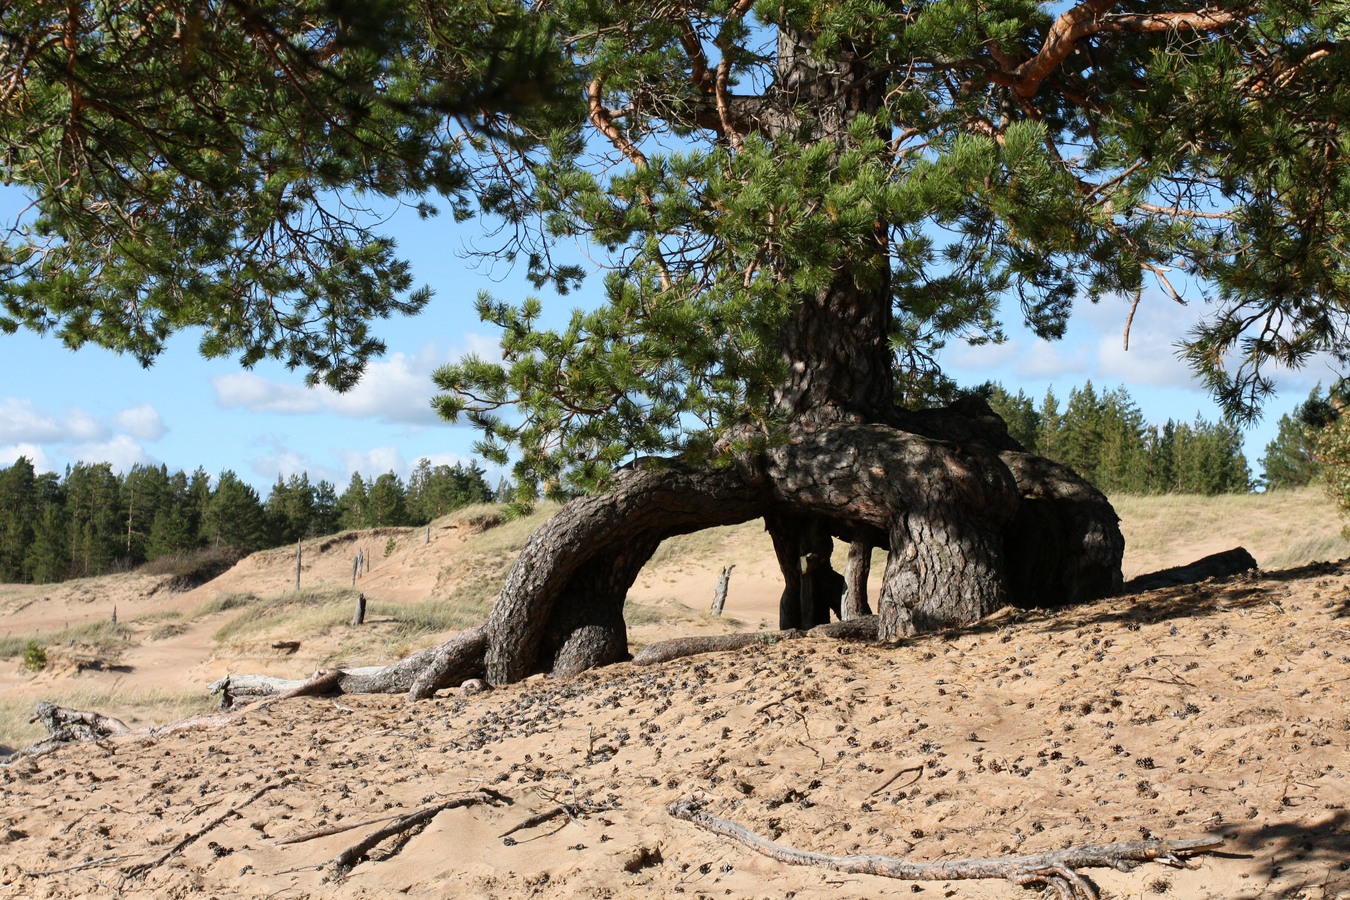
{"points": [[58, 406]]}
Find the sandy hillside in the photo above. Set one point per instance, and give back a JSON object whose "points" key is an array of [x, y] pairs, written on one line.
{"points": [[1211, 710]]}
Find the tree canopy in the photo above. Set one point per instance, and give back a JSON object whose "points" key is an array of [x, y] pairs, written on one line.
{"points": [[212, 164], [798, 203], [221, 164]]}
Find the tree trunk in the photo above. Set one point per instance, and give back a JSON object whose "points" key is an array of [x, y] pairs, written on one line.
{"points": [[855, 605], [561, 607]]}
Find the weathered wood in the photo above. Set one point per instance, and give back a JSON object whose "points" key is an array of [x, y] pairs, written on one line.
{"points": [[1216, 565], [72, 725], [359, 617], [854, 604], [1056, 869], [720, 596], [676, 648]]}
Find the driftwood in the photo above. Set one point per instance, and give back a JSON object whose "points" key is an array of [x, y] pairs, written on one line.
{"points": [[72, 725], [419, 676], [1216, 565], [1057, 869], [409, 825], [866, 628]]}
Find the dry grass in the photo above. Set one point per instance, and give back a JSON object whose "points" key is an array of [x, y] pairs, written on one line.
{"points": [[102, 639], [1279, 528]]}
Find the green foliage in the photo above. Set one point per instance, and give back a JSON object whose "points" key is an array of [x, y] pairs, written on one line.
{"points": [[34, 657], [434, 491], [215, 166], [212, 164], [1292, 459], [94, 520], [1104, 437]]}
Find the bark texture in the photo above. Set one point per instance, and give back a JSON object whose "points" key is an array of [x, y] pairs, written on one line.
{"points": [[562, 606]]}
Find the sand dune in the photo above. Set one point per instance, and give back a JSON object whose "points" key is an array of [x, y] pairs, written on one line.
{"points": [[1210, 710]]}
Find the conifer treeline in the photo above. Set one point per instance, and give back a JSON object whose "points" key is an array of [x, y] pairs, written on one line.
{"points": [[1103, 437], [94, 520]]}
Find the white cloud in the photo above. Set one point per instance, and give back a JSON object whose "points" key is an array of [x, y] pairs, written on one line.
{"points": [[396, 390], [79, 425], [35, 454], [373, 463], [142, 422], [255, 393], [20, 421], [121, 451]]}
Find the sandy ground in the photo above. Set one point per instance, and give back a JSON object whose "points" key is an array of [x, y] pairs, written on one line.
{"points": [[1198, 711], [1210, 710]]}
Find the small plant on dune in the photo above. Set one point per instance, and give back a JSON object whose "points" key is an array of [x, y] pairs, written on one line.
{"points": [[34, 657], [389, 547]]}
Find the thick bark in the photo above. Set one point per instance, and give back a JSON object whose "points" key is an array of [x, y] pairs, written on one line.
{"points": [[943, 507], [1216, 565], [812, 588], [1064, 544], [855, 604], [562, 603]]}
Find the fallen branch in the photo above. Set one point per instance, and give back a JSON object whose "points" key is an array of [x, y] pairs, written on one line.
{"points": [[1216, 565], [538, 819], [419, 676], [1056, 869], [414, 823], [139, 870], [73, 725]]}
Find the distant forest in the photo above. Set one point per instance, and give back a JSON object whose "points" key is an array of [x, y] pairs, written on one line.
{"points": [[92, 520], [1103, 437]]}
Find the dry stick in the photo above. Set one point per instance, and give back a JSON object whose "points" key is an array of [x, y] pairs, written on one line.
{"points": [[1055, 869], [348, 859], [91, 864], [139, 870], [331, 830], [890, 781], [539, 819]]}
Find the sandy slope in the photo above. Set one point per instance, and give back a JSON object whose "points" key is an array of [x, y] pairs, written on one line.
{"points": [[1215, 709], [1219, 709]]}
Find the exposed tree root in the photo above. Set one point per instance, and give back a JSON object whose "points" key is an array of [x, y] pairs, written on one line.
{"points": [[141, 869], [420, 675], [863, 629], [408, 826], [1057, 869]]}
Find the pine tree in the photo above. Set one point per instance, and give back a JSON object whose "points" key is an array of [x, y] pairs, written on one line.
{"points": [[95, 518], [387, 502], [353, 507], [18, 509], [1024, 422], [1291, 459], [798, 202], [235, 518]]}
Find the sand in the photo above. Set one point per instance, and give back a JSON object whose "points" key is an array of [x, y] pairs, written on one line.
{"points": [[1209, 710]]}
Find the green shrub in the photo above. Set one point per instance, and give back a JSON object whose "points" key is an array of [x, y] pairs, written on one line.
{"points": [[34, 657]]}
